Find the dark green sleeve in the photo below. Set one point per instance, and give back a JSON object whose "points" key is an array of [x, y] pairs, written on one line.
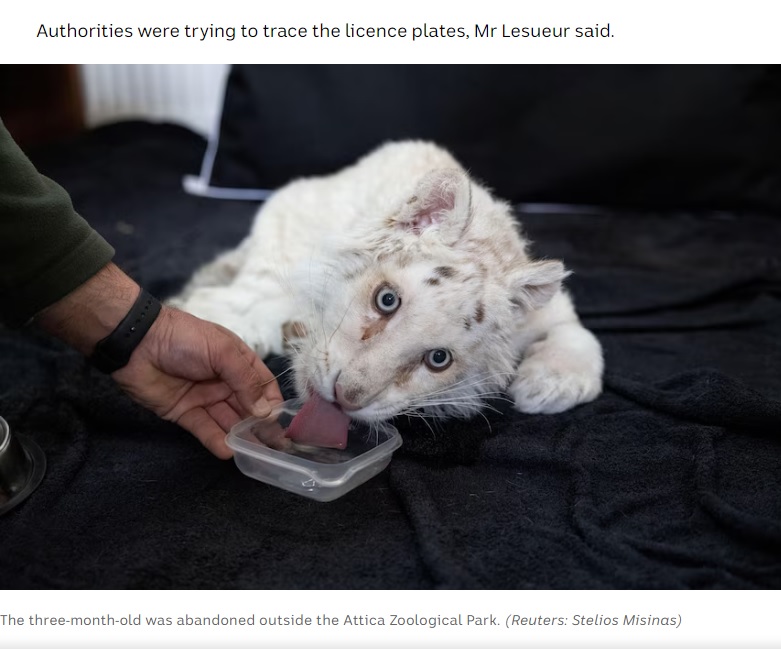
{"points": [[46, 248]]}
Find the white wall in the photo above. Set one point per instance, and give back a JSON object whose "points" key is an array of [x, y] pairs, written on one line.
{"points": [[185, 94]]}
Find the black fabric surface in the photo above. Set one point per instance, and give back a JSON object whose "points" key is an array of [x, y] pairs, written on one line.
{"points": [[664, 136], [669, 480]]}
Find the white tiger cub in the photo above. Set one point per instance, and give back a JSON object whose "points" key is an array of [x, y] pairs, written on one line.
{"points": [[409, 287]]}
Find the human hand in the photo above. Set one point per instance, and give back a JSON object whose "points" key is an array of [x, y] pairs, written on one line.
{"points": [[200, 376], [186, 370]]}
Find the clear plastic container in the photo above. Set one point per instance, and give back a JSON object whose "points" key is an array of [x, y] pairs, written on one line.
{"points": [[262, 452]]}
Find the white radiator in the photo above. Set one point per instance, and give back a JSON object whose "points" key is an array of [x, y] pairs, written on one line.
{"points": [[185, 94]]}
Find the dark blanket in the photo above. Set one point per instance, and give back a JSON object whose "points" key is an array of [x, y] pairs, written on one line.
{"points": [[669, 480]]}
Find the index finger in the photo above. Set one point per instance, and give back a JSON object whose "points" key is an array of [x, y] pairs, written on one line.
{"points": [[254, 385]]}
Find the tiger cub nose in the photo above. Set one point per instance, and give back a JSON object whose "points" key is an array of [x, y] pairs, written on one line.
{"points": [[342, 400]]}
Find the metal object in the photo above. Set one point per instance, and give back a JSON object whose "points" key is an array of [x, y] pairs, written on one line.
{"points": [[22, 465]]}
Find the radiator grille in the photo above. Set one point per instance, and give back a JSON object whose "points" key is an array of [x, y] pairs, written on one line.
{"points": [[184, 94]]}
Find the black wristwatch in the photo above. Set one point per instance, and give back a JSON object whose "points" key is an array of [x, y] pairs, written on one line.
{"points": [[113, 352]]}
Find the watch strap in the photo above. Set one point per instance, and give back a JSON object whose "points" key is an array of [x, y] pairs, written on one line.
{"points": [[113, 352]]}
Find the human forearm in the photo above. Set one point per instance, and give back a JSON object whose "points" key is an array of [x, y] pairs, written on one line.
{"points": [[92, 311]]}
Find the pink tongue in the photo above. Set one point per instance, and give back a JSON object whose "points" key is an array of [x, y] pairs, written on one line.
{"points": [[319, 423]]}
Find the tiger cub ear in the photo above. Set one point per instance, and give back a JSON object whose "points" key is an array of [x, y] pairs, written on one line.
{"points": [[533, 284], [441, 202]]}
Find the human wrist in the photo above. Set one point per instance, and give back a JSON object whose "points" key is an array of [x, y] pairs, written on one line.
{"points": [[113, 352], [92, 311]]}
